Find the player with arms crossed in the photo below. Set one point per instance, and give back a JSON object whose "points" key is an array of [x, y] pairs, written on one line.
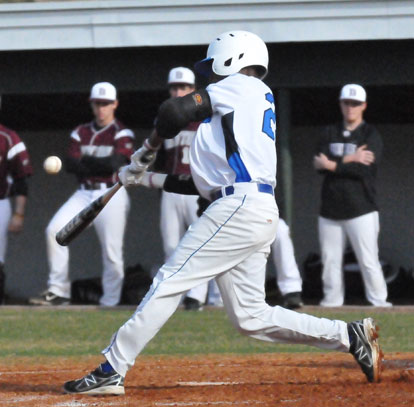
{"points": [[233, 162], [347, 157], [15, 167], [96, 151]]}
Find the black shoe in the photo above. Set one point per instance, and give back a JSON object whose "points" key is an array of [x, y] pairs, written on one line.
{"points": [[97, 382], [365, 348], [191, 304], [48, 298], [292, 300]]}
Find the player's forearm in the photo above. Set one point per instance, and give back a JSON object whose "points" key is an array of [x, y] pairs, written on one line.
{"points": [[19, 187], [104, 165], [20, 205], [348, 158], [17, 220], [154, 140], [322, 163], [74, 166], [176, 113], [355, 169], [331, 166], [178, 184]]}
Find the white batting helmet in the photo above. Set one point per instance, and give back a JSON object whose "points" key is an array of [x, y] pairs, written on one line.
{"points": [[232, 51]]}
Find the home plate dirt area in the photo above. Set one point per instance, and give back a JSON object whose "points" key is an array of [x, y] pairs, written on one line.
{"points": [[299, 380]]}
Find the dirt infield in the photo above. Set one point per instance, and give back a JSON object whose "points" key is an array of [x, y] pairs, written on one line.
{"points": [[299, 380]]}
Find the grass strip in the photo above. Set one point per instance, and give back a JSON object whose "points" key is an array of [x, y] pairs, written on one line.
{"points": [[28, 332]]}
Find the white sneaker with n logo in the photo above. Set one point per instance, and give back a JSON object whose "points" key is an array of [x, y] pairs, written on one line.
{"points": [[365, 347], [97, 383]]}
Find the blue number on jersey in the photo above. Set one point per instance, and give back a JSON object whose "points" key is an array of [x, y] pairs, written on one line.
{"points": [[269, 117]]}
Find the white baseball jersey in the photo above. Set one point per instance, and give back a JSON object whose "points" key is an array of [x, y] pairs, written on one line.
{"points": [[231, 240], [231, 147]]}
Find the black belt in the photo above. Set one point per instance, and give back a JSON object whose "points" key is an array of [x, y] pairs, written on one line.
{"points": [[229, 190], [92, 186]]}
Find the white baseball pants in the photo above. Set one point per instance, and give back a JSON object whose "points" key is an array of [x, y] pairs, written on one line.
{"points": [[231, 242], [287, 272], [5, 216], [362, 233], [109, 226], [178, 212]]}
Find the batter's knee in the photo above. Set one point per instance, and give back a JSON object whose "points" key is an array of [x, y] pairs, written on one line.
{"points": [[245, 329], [251, 325]]}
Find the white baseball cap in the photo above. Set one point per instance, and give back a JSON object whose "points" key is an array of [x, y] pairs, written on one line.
{"points": [[353, 92], [103, 91], [181, 75]]}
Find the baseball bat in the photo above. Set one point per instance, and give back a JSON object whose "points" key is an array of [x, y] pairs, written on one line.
{"points": [[80, 221]]}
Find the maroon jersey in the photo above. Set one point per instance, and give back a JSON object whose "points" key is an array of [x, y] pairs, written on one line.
{"points": [[14, 160], [86, 140], [177, 151]]}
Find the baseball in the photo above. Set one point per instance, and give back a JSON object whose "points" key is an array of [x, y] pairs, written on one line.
{"points": [[52, 164]]}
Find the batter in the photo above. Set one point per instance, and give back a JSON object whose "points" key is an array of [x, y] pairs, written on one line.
{"points": [[233, 163]]}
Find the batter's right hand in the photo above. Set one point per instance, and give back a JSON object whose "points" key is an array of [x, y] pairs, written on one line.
{"points": [[143, 158]]}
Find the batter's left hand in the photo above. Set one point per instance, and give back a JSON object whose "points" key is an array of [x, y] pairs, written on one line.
{"points": [[16, 223], [129, 178]]}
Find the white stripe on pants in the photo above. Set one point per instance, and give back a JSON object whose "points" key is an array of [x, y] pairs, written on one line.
{"points": [[109, 226], [362, 233], [231, 242], [5, 215]]}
